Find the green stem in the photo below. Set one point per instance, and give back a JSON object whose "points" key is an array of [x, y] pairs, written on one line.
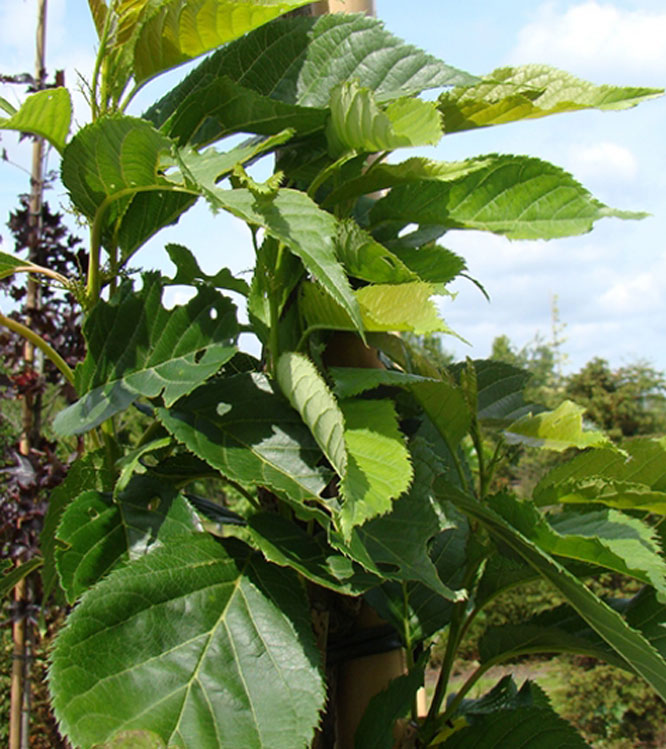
{"points": [[274, 311], [327, 171], [41, 344], [452, 642], [409, 646], [133, 92], [39, 270], [307, 333], [94, 284], [478, 448], [101, 56]]}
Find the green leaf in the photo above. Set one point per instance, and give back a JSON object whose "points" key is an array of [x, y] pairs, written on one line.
{"points": [[189, 273], [510, 94], [383, 307], [308, 393], [110, 160], [378, 465], [605, 538], [88, 472], [559, 630], [614, 473], [363, 257], [239, 426], [316, 55], [98, 532], [433, 264], [396, 546], [131, 464], [627, 642], [133, 740], [169, 353], [505, 720], [555, 430], [442, 401], [223, 107], [284, 543], [9, 264], [177, 30], [293, 219], [358, 124], [499, 391], [225, 688], [417, 169], [518, 196], [47, 114], [375, 731], [11, 576], [622, 495]]}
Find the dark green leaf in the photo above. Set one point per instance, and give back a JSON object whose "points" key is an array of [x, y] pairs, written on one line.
{"points": [[169, 353], [375, 731], [232, 632], [517, 196], [282, 542], [9, 579], [98, 532], [396, 545], [188, 272], [317, 54], [87, 473], [627, 642], [251, 435]]}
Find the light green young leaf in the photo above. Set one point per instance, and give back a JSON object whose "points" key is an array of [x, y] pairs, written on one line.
{"points": [[378, 465], [518, 196], [224, 689], [242, 428], [172, 352], [530, 91], [316, 55], [640, 461], [97, 532], [176, 31], [555, 430], [357, 123], [626, 641], [384, 307], [130, 464], [308, 393], [47, 114]]}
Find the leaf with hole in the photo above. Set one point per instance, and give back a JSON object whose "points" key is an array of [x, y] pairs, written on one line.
{"points": [[171, 352]]}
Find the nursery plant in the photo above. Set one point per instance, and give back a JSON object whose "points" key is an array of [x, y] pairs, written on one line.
{"points": [[354, 468]]}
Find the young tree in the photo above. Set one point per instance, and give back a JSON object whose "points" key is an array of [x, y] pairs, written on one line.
{"points": [[204, 625]]}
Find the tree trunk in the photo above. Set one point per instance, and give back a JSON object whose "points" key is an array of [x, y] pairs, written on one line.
{"points": [[19, 717]]}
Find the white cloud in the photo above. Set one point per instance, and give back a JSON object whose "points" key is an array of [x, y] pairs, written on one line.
{"points": [[602, 161], [595, 37], [642, 293]]}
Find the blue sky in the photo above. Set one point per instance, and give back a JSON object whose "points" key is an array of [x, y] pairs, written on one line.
{"points": [[609, 283]]}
